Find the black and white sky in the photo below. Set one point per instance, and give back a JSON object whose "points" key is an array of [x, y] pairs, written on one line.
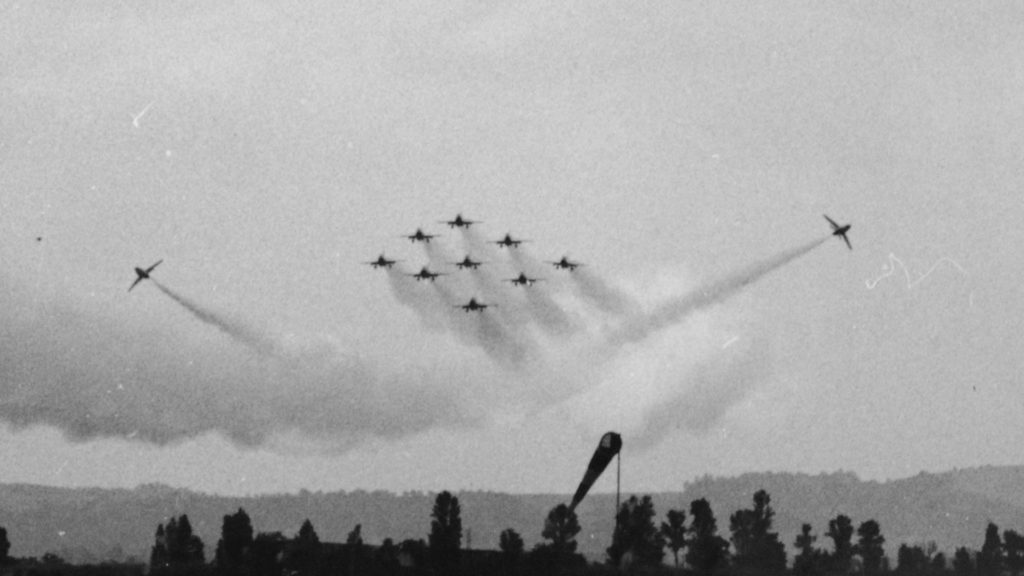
{"points": [[684, 151]]}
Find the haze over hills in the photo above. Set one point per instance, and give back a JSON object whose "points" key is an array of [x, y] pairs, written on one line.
{"points": [[90, 524]]}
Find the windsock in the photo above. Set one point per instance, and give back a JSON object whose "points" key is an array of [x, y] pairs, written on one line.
{"points": [[607, 448]]}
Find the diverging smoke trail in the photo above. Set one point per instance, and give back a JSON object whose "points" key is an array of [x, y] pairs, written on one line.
{"points": [[234, 328], [677, 309]]}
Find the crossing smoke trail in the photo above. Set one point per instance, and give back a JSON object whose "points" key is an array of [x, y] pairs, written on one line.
{"points": [[675, 310], [234, 328]]}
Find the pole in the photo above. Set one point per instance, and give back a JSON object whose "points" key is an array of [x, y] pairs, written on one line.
{"points": [[618, 484]]}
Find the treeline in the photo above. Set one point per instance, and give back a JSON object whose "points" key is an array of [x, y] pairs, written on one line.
{"points": [[685, 541]]}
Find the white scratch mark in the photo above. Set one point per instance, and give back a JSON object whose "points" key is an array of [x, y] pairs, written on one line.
{"points": [[730, 342], [889, 269], [137, 117]]}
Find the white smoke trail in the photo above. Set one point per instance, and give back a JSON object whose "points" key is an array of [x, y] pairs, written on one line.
{"points": [[95, 373], [602, 294], [235, 328], [423, 301], [641, 326]]}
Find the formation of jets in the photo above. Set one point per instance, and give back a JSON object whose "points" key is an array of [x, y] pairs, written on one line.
{"points": [[840, 231], [143, 274]]}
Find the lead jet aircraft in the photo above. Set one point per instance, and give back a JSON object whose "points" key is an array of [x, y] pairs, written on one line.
{"points": [[473, 306], [419, 236], [382, 262], [467, 262], [426, 274], [508, 242], [523, 280], [840, 231], [143, 274], [564, 264], [459, 222]]}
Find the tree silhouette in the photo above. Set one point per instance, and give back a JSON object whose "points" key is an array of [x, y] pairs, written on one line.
{"points": [[235, 540], [674, 532], [869, 547], [990, 558], [635, 532], [445, 537], [511, 544], [840, 530], [706, 551], [265, 553], [911, 560], [561, 528], [1013, 545], [306, 551], [963, 564], [386, 556], [5, 547], [757, 550], [808, 561], [158, 554]]}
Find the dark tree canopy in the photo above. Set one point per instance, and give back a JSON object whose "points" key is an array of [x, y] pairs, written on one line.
{"points": [[840, 530], [757, 549], [636, 534], [1013, 547], [5, 546], [445, 537], [674, 532], [990, 559], [235, 540], [706, 551], [808, 561], [963, 563], [869, 547], [511, 544], [561, 527]]}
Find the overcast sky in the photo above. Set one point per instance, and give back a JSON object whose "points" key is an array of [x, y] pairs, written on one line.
{"points": [[265, 150]]}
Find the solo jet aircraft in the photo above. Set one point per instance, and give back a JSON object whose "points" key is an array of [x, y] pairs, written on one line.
{"points": [[840, 231], [467, 262], [523, 280], [564, 264], [473, 306], [426, 274], [143, 274], [419, 236], [459, 222], [381, 262], [508, 242]]}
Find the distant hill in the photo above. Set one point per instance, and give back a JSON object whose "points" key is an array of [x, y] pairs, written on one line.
{"points": [[90, 524]]}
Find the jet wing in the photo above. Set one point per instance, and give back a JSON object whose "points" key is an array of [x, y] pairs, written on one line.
{"points": [[832, 222]]}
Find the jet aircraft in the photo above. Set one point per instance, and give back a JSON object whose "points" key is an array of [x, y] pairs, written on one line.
{"points": [[840, 231], [508, 242], [473, 306], [564, 264], [467, 262], [419, 236], [382, 262], [523, 280], [143, 274], [426, 274], [459, 222]]}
